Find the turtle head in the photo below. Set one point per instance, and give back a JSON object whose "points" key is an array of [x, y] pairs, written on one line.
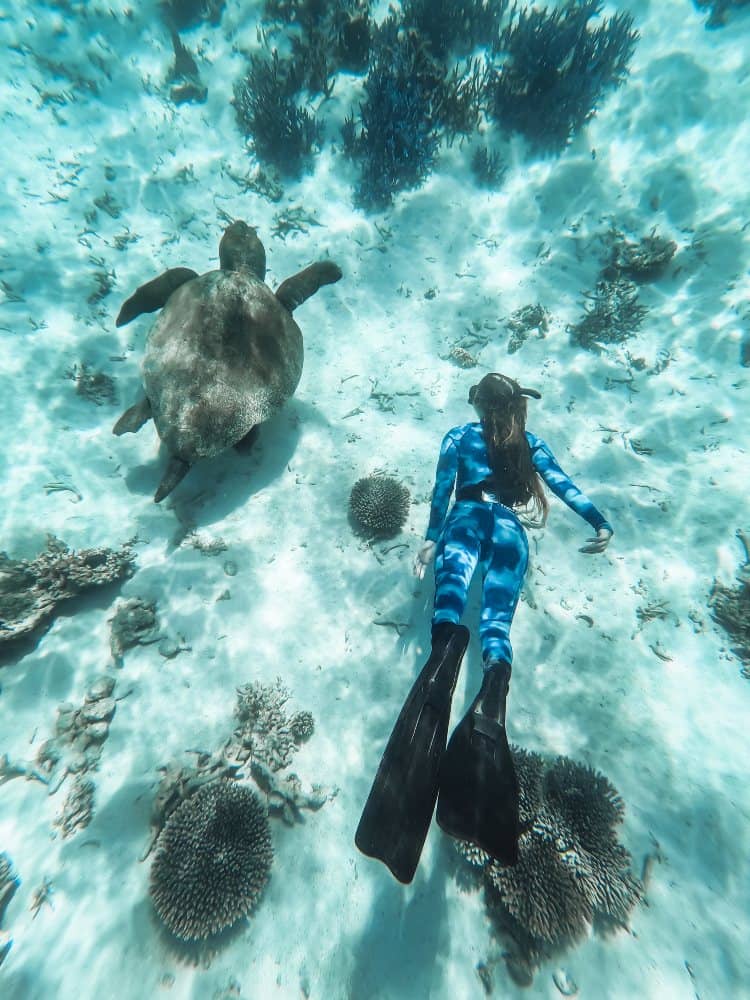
{"points": [[241, 250]]}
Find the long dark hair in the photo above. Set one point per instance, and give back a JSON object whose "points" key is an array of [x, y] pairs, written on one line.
{"points": [[502, 405]]}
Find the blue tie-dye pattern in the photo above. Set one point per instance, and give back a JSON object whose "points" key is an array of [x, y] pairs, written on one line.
{"points": [[488, 534]]}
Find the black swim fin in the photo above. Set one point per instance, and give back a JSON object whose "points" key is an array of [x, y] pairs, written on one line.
{"points": [[478, 799], [398, 811]]}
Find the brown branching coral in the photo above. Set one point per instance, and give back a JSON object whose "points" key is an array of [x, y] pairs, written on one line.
{"points": [[30, 590], [645, 260], [264, 740], [135, 622], [612, 314], [264, 731], [78, 807], [572, 871]]}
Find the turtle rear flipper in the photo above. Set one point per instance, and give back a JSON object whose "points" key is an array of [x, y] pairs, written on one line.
{"points": [[133, 418], [176, 472], [154, 294], [297, 289]]}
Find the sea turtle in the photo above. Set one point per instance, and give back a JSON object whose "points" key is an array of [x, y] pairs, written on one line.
{"points": [[224, 353]]}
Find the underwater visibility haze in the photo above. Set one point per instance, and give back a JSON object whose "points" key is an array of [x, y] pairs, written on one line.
{"points": [[374, 556]]}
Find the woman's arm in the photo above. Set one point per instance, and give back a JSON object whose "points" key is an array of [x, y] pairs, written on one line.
{"points": [[563, 487], [445, 479]]}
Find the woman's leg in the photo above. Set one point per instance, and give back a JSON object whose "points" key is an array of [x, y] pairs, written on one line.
{"points": [[456, 559], [504, 562]]}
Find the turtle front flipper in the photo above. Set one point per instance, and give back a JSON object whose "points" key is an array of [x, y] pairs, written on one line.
{"points": [[154, 294], [176, 472], [133, 418], [245, 444], [297, 289]]}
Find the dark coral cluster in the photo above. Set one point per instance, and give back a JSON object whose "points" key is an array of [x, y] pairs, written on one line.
{"points": [[641, 261], [182, 14], [612, 314], [455, 27], [184, 77], [521, 323], [718, 10], [325, 37], [30, 590], [94, 386], [379, 505], [283, 132], [213, 861], [433, 69], [613, 311], [730, 607], [555, 70], [572, 871], [397, 141], [135, 623], [487, 167], [9, 883]]}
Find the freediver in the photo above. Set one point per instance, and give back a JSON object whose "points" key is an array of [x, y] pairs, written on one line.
{"points": [[497, 469]]}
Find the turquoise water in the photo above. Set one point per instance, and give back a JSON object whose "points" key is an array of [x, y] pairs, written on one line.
{"points": [[580, 225]]}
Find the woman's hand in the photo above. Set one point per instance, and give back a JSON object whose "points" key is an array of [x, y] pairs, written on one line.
{"points": [[423, 559], [599, 543]]}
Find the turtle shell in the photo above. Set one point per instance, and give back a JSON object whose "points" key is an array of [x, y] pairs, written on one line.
{"points": [[222, 356]]}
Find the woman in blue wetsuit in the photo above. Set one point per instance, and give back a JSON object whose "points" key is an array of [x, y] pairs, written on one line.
{"points": [[497, 469]]}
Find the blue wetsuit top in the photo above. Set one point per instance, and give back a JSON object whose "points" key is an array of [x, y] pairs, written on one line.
{"points": [[464, 462]]}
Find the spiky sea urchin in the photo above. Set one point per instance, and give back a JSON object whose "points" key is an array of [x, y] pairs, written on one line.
{"points": [[212, 862], [379, 505]]}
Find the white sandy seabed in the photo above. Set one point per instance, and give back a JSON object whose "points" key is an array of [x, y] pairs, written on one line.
{"points": [[660, 707]]}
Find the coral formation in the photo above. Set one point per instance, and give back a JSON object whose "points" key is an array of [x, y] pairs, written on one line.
{"points": [[75, 749], [135, 622], [455, 26], [521, 322], [730, 607], [94, 386], [284, 794], [612, 314], [78, 807], [333, 36], [379, 505], [283, 133], [339, 39], [264, 731], [487, 167], [85, 729], [184, 76], [180, 783], [397, 143], [461, 358], [642, 261], [181, 14], [572, 871], [30, 590], [555, 70], [718, 10], [264, 737], [213, 861], [9, 882]]}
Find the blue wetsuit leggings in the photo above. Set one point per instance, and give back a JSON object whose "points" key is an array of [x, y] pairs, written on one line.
{"points": [[491, 535]]}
